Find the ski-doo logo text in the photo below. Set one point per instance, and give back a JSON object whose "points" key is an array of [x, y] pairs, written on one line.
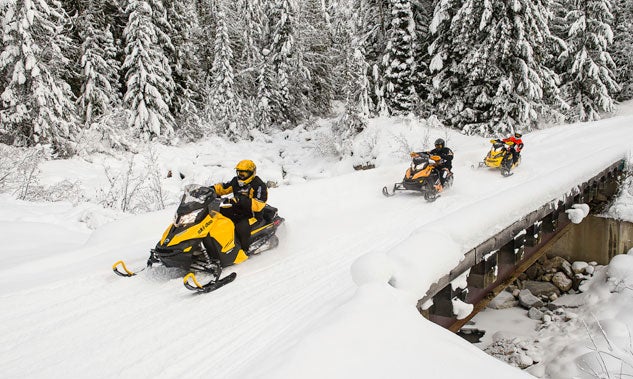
{"points": [[206, 225]]}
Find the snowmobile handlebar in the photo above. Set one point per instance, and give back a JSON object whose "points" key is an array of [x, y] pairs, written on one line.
{"points": [[499, 142]]}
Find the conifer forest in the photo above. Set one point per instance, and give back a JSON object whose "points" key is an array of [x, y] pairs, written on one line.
{"points": [[167, 70]]}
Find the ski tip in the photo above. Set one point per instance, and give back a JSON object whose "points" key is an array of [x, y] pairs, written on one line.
{"points": [[191, 276], [126, 273]]}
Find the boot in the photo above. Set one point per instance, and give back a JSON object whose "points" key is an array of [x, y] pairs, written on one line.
{"points": [[439, 183]]}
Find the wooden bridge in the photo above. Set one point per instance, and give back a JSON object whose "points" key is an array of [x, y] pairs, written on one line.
{"points": [[498, 261]]}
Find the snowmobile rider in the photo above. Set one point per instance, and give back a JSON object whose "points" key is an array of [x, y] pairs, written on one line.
{"points": [[516, 145], [446, 163], [249, 198]]}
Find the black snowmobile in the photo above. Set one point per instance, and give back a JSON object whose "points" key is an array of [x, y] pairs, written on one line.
{"points": [[201, 239]]}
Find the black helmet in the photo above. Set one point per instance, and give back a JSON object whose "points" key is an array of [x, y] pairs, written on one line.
{"points": [[439, 143]]}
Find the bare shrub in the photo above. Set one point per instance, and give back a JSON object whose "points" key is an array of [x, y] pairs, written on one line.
{"points": [[606, 360], [326, 144], [19, 169], [136, 186], [107, 134]]}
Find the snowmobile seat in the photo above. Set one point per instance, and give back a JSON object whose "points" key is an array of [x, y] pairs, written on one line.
{"points": [[268, 213]]}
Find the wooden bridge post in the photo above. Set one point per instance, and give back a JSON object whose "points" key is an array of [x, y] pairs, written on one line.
{"points": [[484, 273]]}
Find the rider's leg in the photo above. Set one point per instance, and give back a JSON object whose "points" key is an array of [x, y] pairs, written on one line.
{"points": [[243, 233], [443, 172]]}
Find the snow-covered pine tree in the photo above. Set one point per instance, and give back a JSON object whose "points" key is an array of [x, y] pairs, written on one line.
{"points": [[587, 77], [3, 79], [246, 22], [37, 104], [374, 25], [252, 30], [223, 104], [100, 90], [444, 54], [115, 17], [205, 39], [422, 15], [72, 42], [250, 23], [399, 59], [162, 23], [356, 87], [281, 15], [497, 80], [188, 97], [313, 73], [621, 49], [340, 18], [265, 90], [148, 76], [248, 30]]}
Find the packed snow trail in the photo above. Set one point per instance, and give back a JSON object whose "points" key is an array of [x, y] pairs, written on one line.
{"points": [[67, 314]]}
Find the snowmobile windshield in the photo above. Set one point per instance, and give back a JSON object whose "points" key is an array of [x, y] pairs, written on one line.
{"points": [[194, 198], [498, 145], [419, 162]]}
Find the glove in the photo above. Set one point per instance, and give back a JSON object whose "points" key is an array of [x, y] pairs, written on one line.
{"points": [[202, 191], [228, 203], [413, 154]]}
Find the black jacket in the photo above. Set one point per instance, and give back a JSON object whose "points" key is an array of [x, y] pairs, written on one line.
{"points": [[446, 154], [249, 201]]}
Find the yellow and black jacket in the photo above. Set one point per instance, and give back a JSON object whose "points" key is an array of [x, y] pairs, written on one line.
{"points": [[250, 198]]}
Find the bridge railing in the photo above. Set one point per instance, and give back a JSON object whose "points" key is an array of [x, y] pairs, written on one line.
{"points": [[496, 262]]}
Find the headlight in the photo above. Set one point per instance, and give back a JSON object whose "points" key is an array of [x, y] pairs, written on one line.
{"points": [[189, 218]]}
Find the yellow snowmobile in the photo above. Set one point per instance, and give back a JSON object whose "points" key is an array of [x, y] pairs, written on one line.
{"points": [[500, 156], [202, 239], [422, 176]]}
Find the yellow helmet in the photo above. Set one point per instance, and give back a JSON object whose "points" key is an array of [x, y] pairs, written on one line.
{"points": [[245, 171]]}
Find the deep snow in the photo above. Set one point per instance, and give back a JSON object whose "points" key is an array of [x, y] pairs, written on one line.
{"points": [[335, 299]]}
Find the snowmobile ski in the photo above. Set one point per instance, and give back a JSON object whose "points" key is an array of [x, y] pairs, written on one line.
{"points": [[126, 272], [385, 191], [191, 282]]}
